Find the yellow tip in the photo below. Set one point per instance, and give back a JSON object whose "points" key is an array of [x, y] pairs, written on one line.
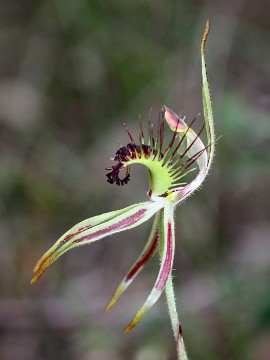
{"points": [[129, 327], [115, 296], [38, 271], [205, 35], [109, 306], [136, 319], [35, 278]]}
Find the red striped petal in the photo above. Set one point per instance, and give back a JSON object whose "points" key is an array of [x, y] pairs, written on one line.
{"points": [[167, 254], [94, 229]]}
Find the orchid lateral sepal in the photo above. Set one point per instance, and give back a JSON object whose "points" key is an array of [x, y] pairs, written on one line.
{"points": [[166, 260], [94, 229]]}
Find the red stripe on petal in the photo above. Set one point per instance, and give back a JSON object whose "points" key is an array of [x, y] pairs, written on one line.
{"points": [[69, 236], [144, 259], [168, 261], [77, 232], [130, 220]]}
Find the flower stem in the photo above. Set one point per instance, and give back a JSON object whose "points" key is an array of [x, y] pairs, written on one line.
{"points": [[177, 328]]}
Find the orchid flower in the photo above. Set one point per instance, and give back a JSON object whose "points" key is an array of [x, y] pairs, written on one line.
{"points": [[167, 166]]}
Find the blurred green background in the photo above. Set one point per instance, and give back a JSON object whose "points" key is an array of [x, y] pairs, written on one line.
{"points": [[71, 72]]}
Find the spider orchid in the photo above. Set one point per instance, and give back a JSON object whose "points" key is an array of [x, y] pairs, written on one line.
{"points": [[167, 166]]}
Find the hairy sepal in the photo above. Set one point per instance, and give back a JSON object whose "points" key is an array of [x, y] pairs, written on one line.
{"points": [[166, 258], [96, 228]]}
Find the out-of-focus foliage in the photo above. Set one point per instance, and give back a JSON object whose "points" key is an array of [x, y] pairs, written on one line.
{"points": [[71, 72]]}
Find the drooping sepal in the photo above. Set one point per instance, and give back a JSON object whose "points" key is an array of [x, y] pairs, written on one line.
{"points": [[167, 255], [94, 229]]}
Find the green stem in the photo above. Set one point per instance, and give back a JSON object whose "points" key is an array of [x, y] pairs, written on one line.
{"points": [[177, 329]]}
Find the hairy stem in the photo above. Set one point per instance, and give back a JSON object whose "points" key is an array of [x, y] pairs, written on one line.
{"points": [[176, 326]]}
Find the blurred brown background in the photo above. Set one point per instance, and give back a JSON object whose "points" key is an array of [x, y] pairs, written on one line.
{"points": [[71, 72]]}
